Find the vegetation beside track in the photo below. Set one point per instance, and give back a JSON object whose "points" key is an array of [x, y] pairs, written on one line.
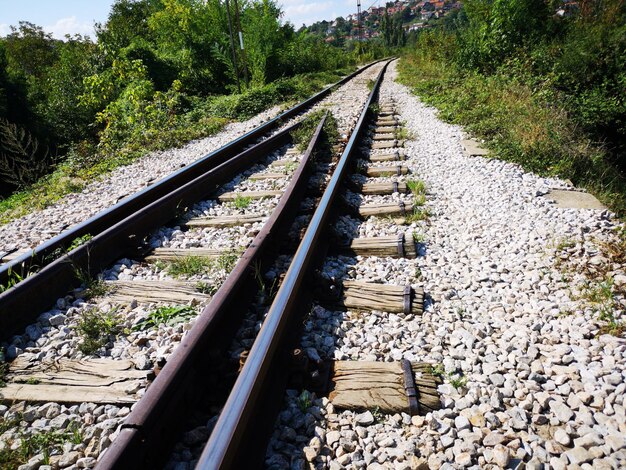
{"points": [[542, 91], [159, 74]]}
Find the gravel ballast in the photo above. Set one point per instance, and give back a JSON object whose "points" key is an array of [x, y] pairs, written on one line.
{"points": [[56, 333], [529, 376]]}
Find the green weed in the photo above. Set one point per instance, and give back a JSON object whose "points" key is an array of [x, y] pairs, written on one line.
{"points": [[458, 381], [189, 266], [169, 316], [418, 214], [416, 187], [242, 202], [78, 242], [13, 279], [602, 296], [304, 400], [403, 133], [41, 443], [517, 120], [436, 370], [266, 292], [378, 415], [290, 167], [96, 328], [206, 288], [418, 237], [93, 287], [227, 261], [304, 133], [4, 369]]}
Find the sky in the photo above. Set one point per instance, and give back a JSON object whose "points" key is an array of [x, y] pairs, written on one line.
{"points": [[61, 17]]}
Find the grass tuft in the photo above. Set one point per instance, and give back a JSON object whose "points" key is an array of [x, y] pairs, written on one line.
{"points": [[516, 123], [242, 202], [169, 316], [96, 328]]}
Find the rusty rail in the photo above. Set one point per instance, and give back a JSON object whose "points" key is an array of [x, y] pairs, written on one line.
{"points": [[240, 436], [144, 438], [42, 255], [21, 304]]}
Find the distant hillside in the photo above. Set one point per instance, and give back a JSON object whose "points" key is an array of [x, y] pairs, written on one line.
{"points": [[382, 22]]}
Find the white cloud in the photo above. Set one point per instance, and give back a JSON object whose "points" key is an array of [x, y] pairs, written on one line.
{"points": [[70, 26], [4, 29]]}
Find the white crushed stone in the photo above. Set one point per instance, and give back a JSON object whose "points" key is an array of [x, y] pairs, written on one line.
{"points": [[542, 387], [55, 335]]}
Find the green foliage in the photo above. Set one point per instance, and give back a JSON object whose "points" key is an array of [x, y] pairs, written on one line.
{"points": [[96, 328], [419, 213], [169, 316], [206, 288], [330, 135], [189, 266], [242, 202], [543, 91], [437, 370], [602, 296], [159, 75], [417, 187], [304, 400], [13, 279], [44, 443], [93, 286], [78, 241], [4, 368], [186, 266], [22, 160]]}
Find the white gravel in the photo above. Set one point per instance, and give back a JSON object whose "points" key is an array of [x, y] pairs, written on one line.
{"points": [[55, 333], [33, 229], [543, 387]]}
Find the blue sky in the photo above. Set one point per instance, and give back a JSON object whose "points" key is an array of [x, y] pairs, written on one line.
{"points": [[61, 17]]}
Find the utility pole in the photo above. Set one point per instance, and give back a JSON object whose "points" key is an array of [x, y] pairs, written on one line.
{"points": [[243, 51], [358, 20], [232, 46]]}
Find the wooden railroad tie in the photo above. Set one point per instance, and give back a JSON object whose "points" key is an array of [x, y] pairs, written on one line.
{"points": [[98, 380], [169, 292], [384, 188], [233, 195], [368, 296], [391, 387], [392, 246], [224, 221], [284, 162], [386, 129], [267, 176], [387, 157], [386, 144], [383, 210], [379, 136], [173, 254], [387, 121], [390, 170]]}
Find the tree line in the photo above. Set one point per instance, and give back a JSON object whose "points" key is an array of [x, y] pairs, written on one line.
{"points": [[153, 65]]}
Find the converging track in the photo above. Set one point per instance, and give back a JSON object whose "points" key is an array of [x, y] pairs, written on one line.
{"points": [[176, 384]]}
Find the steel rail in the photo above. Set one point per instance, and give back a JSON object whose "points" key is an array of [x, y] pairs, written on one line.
{"points": [[40, 256], [142, 440], [240, 436], [21, 304]]}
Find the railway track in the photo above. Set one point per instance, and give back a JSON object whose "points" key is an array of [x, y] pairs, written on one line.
{"points": [[54, 281], [151, 423], [276, 358]]}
